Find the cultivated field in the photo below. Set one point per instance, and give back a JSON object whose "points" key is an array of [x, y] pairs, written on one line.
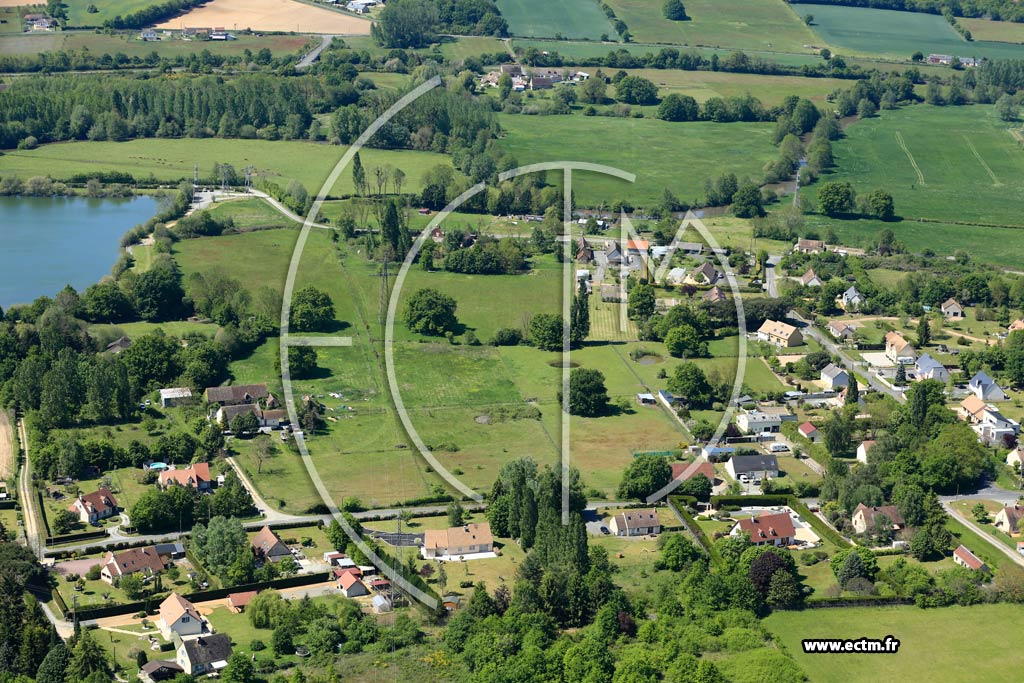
{"points": [[749, 24], [695, 151], [544, 19], [270, 15], [954, 164], [172, 160], [897, 34], [934, 644]]}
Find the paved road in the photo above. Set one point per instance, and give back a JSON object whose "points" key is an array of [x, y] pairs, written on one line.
{"points": [[988, 492], [769, 276], [269, 514], [313, 54], [995, 543]]}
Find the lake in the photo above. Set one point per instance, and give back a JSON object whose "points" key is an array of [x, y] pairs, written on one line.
{"points": [[49, 242]]}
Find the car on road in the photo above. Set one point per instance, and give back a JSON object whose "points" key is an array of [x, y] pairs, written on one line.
{"points": [[604, 530]]}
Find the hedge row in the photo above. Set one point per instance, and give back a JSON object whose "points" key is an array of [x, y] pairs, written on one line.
{"points": [[679, 505], [78, 536], [862, 601]]}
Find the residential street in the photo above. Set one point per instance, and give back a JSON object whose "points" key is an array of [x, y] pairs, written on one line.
{"points": [[951, 511]]}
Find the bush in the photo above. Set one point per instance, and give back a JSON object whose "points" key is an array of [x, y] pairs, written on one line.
{"points": [[258, 645], [507, 336]]}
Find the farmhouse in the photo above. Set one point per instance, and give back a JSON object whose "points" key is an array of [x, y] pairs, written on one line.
{"points": [[834, 377], [985, 388], [810, 432], [179, 617], [809, 247], [176, 396], [470, 539], [145, 561], [927, 367], [863, 449], [841, 331], [148, 34], [780, 334], [866, 518], [965, 558], [204, 654], [951, 309], [898, 350], [755, 422], [635, 523], [1008, 519], [850, 300], [92, 507], [268, 546], [810, 279], [768, 529], [753, 466], [195, 476], [705, 274], [237, 394], [271, 418]]}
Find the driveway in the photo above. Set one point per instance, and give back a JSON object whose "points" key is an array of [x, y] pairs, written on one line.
{"points": [[76, 566]]}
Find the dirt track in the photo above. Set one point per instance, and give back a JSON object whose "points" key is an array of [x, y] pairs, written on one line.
{"points": [[269, 15], [6, 446]]}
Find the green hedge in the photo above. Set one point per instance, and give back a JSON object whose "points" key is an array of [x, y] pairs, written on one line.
{"points": [[8, 504], [860, 601], [80, 536], [679, 505]]}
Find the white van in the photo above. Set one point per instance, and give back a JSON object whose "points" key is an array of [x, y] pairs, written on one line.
{"points": [[778, 448]]}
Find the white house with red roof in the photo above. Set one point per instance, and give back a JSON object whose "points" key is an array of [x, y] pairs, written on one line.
{"points": [[92, 507], [965, 558], [769, 529], [810, 432]]}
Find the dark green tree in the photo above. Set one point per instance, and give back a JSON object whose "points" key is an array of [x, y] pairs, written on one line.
{"points": [[428, 311], [645, 475], [588, 396]]}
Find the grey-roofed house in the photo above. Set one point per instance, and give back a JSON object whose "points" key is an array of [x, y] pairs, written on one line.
{"points": [[851, 299], [204, 654], [927, 367], [985, 388], [160, 670], [755, 466], [237, 394], [834, 377]]}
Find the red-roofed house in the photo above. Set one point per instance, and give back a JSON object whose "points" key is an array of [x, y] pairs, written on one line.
{"points": [[92, 507], [687, 471], [143, 560], [809, 431], [268, 546], [351, 586], [771, 529], [195, 476], [864, 517], [965, 558]]}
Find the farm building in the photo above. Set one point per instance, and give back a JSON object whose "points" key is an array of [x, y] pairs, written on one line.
{"points": [[175, 396], [238, 394]]}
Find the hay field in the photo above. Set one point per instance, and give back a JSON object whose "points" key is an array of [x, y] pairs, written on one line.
{"points": [[269, 15]]}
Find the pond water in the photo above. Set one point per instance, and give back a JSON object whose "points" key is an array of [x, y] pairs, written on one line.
{"points": [[49, 242]]}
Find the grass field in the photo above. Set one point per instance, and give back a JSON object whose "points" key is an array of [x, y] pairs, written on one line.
{"points": [[703, 85], [251, 214], [78, 14], [956, 164], [129, 44], [935, 645], [700, 151], [897, 34], [172, 160], [748, 24], [542, 19], [1000, 31]]}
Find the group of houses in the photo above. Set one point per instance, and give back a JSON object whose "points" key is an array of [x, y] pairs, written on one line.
{"points": [[532, 78]]}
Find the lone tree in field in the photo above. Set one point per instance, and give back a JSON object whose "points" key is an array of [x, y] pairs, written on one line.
{"points": [[546, 331], [691, 386], [301, 361], [835, 199], [588, 396], [312, 310], [430, 312], [674, 10], [636, 90]]}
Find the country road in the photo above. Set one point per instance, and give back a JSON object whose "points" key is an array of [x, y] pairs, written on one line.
{"points": [[313, 54], [28, 499], [952, 512]]}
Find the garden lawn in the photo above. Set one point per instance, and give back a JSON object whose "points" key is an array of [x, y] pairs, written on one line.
{"points": [[891, 33], [749, 24], [543, 19], [933, 646], [700, 151]]}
